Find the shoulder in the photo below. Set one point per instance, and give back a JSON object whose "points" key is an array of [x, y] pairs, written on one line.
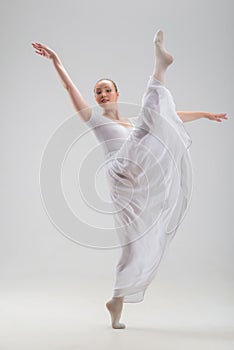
{"points": [[93, 118]]}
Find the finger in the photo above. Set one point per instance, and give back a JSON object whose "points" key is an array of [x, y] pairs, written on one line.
{"points": [[223, 116], [40, 52], [43, 46], [36, 45]]}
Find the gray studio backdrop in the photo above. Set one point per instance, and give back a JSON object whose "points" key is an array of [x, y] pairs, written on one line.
{"points": [[113, 39]]}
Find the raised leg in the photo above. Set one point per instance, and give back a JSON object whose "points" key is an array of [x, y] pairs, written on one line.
{"points": [[156, 97], [162, 58]]}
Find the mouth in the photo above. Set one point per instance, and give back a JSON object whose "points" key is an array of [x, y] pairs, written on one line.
{"points": [[104, 100]]}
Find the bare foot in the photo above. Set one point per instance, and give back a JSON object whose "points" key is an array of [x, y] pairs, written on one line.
{"points": [[115, 306], [163, 57]]}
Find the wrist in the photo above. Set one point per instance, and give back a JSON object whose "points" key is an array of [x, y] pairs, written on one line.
{"points": [[55, 58], [205, 114]]}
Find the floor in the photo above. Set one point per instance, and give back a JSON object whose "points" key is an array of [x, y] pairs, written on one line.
{"points": [[65, 316]]}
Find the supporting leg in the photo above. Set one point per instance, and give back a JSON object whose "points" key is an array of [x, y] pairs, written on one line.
{"points": [[115, 306]]}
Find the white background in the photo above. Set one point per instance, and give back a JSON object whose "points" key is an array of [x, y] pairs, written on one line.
{"points": [[114, 39]]}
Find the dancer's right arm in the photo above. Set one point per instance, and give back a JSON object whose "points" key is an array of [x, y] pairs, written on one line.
{"points": [[77, 99]]}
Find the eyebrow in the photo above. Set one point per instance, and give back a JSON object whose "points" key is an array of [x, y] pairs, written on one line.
{"points": [[104, 87]]}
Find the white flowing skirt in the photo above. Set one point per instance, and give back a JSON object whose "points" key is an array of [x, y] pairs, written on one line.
{"points": [[150, 181]]}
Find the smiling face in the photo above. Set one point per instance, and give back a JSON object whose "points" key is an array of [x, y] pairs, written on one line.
{"points": [[105, 93]]}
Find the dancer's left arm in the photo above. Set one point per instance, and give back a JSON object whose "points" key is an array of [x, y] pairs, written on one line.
{"points": [[187, 116]]}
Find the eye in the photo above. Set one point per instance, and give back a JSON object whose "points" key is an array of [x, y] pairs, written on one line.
{"points": [[108, 90], [98, 92]]}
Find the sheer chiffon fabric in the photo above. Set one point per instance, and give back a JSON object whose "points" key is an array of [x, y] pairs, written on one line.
{"points": [[149, 174]]}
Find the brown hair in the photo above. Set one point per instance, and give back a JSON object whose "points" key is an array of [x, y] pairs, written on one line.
{"points": [[115, 86]]}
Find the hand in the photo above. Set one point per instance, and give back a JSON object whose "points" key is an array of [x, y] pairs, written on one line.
{"points": [[215, 116], [44, 50]]}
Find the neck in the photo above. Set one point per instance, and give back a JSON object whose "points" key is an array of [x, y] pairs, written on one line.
{"points": [[112, 112]]}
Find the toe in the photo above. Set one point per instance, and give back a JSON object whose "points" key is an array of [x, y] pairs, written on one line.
{"points": [[158, 36], [119, 325]]}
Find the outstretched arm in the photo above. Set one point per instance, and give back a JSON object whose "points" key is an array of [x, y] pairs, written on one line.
{"points": [[77, 99], [187, 116]]}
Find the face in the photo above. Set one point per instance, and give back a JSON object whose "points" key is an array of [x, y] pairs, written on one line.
{"points": [[105, 93]]}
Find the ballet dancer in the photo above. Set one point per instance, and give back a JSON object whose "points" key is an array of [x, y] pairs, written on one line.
{"points": [[106, 94]]}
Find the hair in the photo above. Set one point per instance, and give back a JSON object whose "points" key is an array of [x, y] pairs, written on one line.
{"points": [[115, 86]]}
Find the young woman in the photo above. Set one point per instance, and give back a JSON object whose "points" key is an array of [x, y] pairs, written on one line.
{"points": [[152, 153]]}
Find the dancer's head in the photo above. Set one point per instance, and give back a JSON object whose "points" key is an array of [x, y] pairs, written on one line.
{"points": [[106, 91]]}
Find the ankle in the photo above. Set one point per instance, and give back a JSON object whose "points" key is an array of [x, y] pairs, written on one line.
{"points": [[159, 77]]}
